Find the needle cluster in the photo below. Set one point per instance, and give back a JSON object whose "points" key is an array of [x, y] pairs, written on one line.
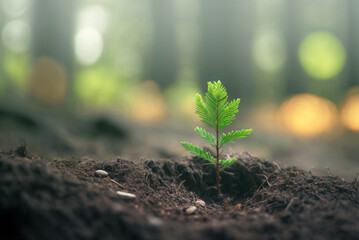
{"points": [[216, 112]]}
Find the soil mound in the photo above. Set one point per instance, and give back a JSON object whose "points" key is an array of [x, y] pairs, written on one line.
{"points": [[63, 199]]}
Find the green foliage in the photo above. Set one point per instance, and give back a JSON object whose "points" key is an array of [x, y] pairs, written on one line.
{"points": [[226, 162], [218, 113], [208, 137], [203, 113], [234, 135], [197, 151]]}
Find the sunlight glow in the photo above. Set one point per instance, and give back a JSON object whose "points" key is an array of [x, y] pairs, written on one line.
{"points": [[149, 105], [16, 36], [322, 55], [307, 115], [88, 45], [269, 50], [264, 116], [15, 8], [350, 111], [95, 16]]}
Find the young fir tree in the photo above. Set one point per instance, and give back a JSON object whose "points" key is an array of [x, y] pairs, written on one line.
{"points": [[217, 113]]}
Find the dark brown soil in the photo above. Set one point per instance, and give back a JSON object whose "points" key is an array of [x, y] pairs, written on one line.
{"points": [[43, 198]]}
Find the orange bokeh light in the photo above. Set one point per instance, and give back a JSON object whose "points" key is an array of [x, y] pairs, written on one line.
{"points": [[307, 115], [350, 111], [149, 105], [48, 81]]}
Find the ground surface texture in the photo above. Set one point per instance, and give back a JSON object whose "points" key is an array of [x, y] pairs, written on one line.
{"points": [[61, 198]]}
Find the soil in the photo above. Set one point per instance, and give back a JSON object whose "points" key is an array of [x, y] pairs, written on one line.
{"points": [[61, 198]]}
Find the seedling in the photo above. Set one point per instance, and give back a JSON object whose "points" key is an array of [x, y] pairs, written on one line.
{"points": [[217, 113]]}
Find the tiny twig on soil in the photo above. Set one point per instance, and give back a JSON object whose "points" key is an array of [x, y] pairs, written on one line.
{"points": [[355, 180], [260, 186], [115, 182], [318, 196], [265, 176], [180, 185], [290, 204], [229, 173], [275, 163], [211, 187], [164, 182]]}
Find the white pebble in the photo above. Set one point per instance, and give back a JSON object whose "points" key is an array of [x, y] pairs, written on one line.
{"points": [[101, 173], [155, 221], [191, 210], [201, 203], [125, 194]]}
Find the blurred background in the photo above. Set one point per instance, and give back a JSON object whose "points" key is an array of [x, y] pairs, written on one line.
{"points": [[119, 77]]}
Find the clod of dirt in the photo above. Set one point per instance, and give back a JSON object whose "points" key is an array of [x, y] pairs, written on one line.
{"points": [[22, 118], [200, 177], [110, 128], [22, 151]]}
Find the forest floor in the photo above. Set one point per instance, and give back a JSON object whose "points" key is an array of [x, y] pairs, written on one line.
{"points": [[49, 189], [62, 198]]}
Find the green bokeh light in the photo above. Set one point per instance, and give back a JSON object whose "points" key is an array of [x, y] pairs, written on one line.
{"points": [[16, 68], [180, 96], [322, 55], [98, 85]]}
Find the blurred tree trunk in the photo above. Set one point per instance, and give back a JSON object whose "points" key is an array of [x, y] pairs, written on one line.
{"points": [[352, 45], [2, 77], [52, 31], [162, 59], [225, 45], [294, 81]]}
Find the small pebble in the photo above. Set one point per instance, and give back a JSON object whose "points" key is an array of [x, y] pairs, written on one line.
{"points": [[125, 194], [101, 173], [155, 221], [238, 207], [191, 210], [117, 207], [201, 203]]}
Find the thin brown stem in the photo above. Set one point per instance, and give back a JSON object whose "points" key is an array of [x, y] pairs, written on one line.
{"points": [[218, 178]]}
